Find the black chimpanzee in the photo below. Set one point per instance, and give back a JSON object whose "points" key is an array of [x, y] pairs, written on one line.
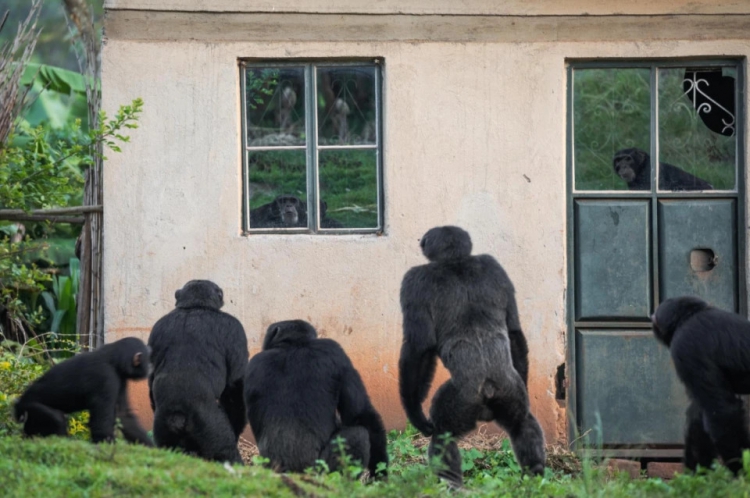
{"points": [[96, 381], [462, 308], [325, 220], [634, 166], [710, 349], [199, 355], [293, 390], [285, 211]]}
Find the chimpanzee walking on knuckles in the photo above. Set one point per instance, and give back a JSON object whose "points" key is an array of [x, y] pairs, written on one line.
{"points": [[462, 309]]}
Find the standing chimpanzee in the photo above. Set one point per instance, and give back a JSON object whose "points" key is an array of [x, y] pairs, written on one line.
{"points": [[285, 211], [462, 308], [634, 166], [199, 355], [293, 389], [710, 349], [96, 381]]}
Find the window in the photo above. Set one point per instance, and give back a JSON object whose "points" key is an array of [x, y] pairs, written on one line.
{"points": [[313, 147], [683, 113]]}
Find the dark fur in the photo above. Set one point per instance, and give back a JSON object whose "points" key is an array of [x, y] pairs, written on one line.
{"points": [[285, 211], [462, 309], [95, 381], [634, 166], [293, 391], [199, 355], [710, 349]]}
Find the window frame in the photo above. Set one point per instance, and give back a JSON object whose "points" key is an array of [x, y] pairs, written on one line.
{"points": [[654, 65], [311, 146]]}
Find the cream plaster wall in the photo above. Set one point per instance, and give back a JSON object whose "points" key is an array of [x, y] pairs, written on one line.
{"points": [[474, 136]]}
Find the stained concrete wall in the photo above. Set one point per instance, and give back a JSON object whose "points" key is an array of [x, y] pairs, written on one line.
{"points": [[474, 135]]}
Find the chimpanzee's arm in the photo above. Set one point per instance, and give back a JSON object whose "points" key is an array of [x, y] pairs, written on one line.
{"points": [[356, 409], [131, 429], [416, 366]]}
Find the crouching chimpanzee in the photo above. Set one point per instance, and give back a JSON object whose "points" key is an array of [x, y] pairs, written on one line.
{"points": [[710, 349], [285, 211], [199, 355], [96, 381], [293, 391], [462, 308], [634, 166]]}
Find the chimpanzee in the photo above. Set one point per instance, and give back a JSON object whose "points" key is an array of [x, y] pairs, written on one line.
{"points": [[283, 212], [462, 308], [96, 381], [293, 390], [710, 349], [199, 355], [634, 166]]}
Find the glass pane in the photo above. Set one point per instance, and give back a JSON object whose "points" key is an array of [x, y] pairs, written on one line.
{"points": [[346, 105], [612, 113], [697, 139], [278, 189], [348, 188], [275, 99]]}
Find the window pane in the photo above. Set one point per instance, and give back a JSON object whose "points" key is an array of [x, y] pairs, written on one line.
{"points": [[278, 189], [697, 140], [346, 105], [348, 188], [275, 100], [611, 114]]}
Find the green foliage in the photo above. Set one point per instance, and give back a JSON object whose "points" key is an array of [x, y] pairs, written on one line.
{"points": [[61, 302], [260, 84], [40, 167], [57, 96]]}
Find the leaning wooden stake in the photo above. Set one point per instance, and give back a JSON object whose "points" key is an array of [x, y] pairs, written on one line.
{"points": [[90, 303]]}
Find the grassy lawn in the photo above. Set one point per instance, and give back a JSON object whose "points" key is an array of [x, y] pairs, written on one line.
{"points": [[69, 467]]}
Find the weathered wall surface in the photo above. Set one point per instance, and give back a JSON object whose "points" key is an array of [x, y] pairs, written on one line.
{"points": [[474, 136]]}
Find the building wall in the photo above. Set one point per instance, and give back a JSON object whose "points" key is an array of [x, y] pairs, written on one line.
{"points": [[474, 135]]}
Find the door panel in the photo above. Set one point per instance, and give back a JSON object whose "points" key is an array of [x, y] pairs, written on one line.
{"points": [[628, 388], [612, 259], [698, 250]]}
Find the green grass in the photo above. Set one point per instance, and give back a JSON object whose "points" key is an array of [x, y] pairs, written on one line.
{"points": [[68, 467]]}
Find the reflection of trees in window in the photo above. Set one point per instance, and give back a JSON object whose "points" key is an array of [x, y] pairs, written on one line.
{"points": [[346, 106], [333, 168]]}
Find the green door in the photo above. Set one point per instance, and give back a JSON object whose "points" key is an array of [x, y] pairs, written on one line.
{"points": [[642, 230]]}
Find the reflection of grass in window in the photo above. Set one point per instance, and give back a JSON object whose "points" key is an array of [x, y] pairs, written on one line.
{"points": [[274, 173], [348, 183], [611, 112], [686, 142]]}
